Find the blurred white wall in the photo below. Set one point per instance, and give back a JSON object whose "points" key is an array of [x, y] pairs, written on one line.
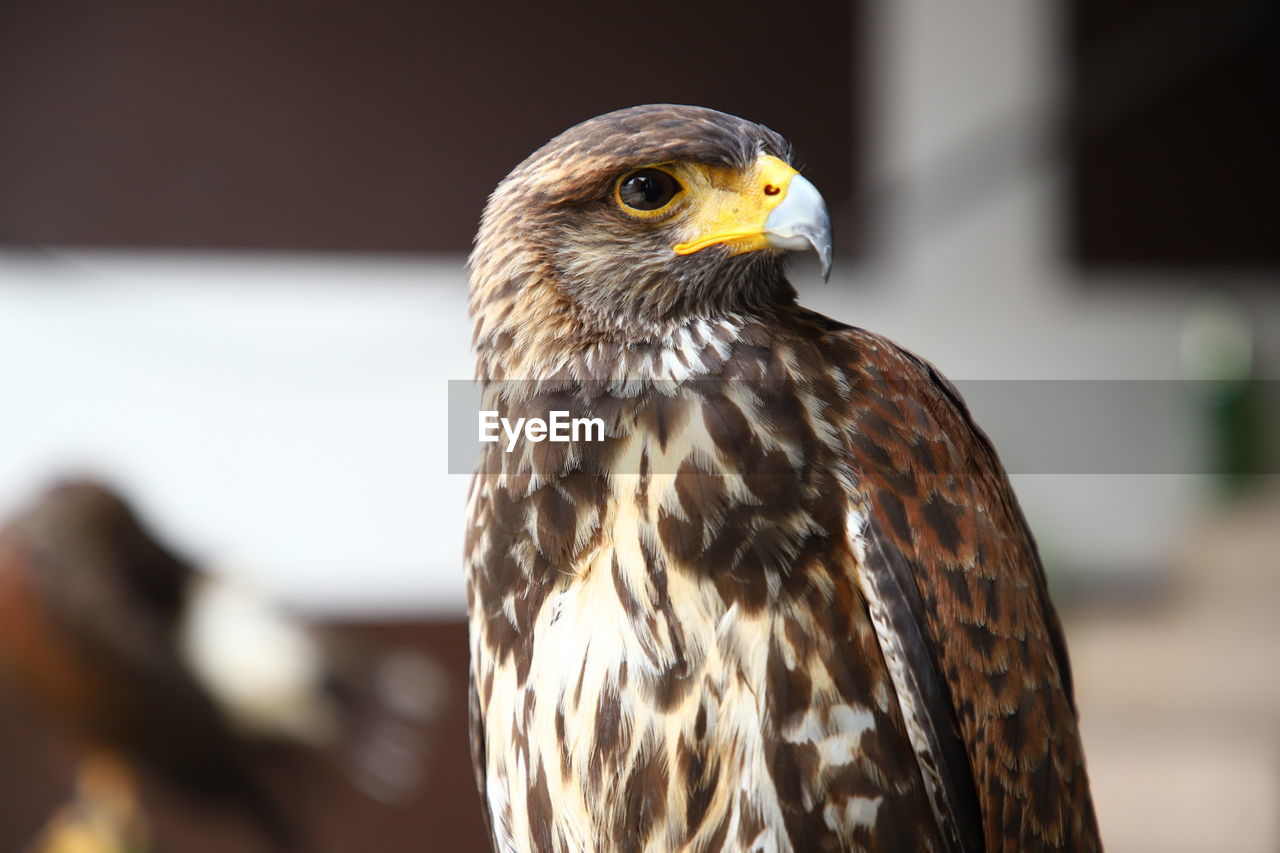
{"points": [[282, 414]]}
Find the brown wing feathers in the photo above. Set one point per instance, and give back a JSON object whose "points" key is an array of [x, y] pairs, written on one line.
{"points": [[898, 612], [942, 505]]}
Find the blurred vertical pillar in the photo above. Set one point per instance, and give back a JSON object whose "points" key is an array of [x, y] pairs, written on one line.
{"points": [[963, 102]]}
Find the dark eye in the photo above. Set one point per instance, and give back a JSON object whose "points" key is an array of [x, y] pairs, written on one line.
{"points": [[647, 189]]}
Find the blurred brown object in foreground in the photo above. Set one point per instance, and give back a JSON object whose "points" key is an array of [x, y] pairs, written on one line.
{"points": [[128, 650]]}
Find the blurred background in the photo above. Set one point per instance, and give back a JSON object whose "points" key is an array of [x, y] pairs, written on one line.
{"points": [[232, 239]]}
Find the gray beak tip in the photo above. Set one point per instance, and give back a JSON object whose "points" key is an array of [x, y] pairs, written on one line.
{"points": [[801, 222]]}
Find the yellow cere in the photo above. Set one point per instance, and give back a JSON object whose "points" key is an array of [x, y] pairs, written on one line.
{"points": [[729, 206]]}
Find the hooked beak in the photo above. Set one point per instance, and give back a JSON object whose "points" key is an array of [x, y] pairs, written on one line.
{"points": [[801, 222], [774, 208]]}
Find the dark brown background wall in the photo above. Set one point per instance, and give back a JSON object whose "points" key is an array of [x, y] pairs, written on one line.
{"points": [[1174, 124], [339, 125]]}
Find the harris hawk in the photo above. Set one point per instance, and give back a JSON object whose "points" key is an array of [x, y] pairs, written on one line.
{"points": [[787, 601], [154, 668]]}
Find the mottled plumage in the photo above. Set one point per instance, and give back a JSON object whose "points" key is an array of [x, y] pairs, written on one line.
{"points": [[790, 602]]}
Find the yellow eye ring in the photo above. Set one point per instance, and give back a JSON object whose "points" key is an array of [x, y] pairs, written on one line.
{"points": [[647, 192]]}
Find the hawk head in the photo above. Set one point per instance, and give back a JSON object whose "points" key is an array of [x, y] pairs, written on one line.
{"points": [[637, 220]]}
